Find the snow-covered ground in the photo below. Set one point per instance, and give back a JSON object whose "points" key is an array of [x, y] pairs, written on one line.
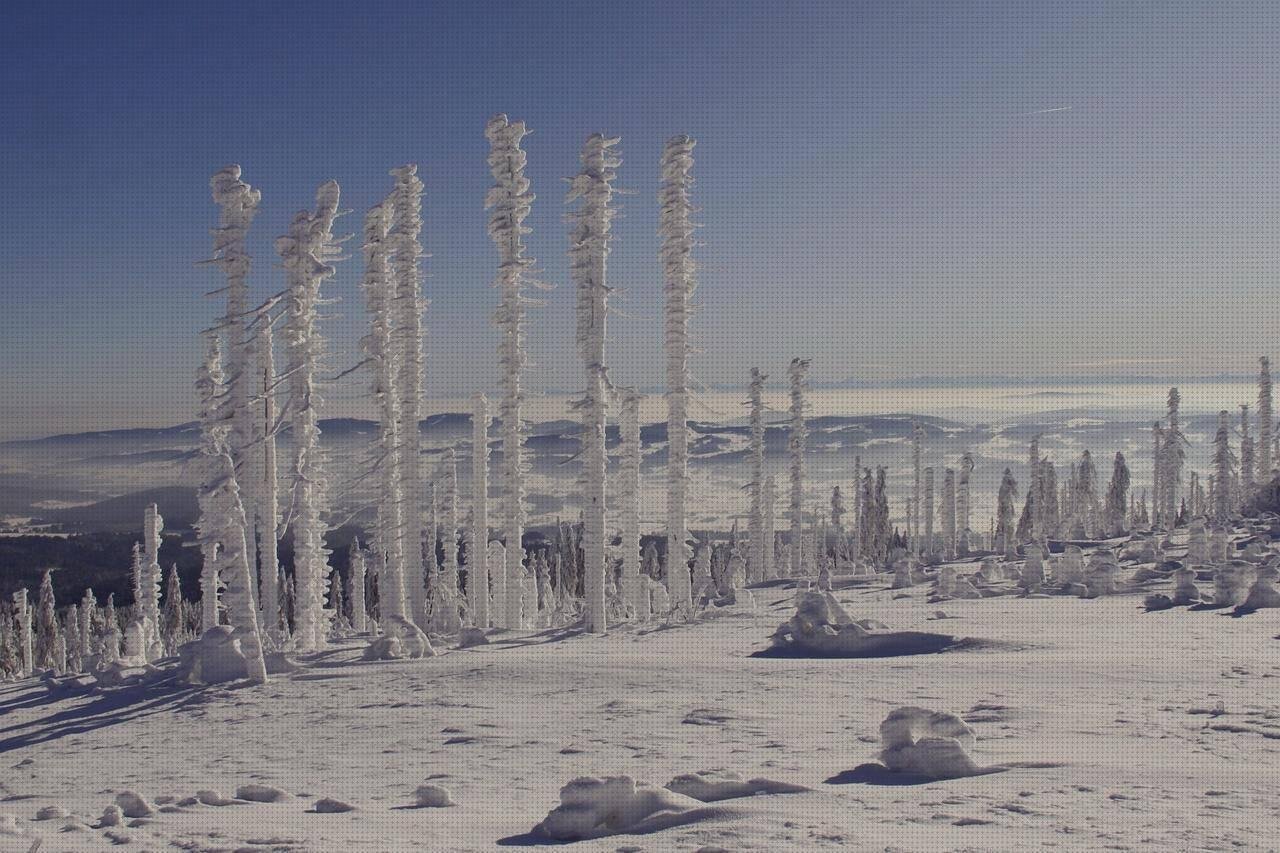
{"points": [[1120, 729]]}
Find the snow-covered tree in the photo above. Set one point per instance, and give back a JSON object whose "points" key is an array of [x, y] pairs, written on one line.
{"points": [[380, 352], [444, 606], [1117, 497], [676, 227], [1005, 539], [509, 201], [1247, 462], [757, 565], [838, 512], [1224, 463], [588, 263], [23, 628], [1175, 454], [769, 502], [795, 447], [406, 307], [171, 625], [308, 252], [1264, 449], [359, 608], [48, 632], [949, 514], [629, 504], [478, 542], [963, 505]]}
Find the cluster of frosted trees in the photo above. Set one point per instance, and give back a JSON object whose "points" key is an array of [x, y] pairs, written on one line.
{"points": [[38, 635], [433, 561]]}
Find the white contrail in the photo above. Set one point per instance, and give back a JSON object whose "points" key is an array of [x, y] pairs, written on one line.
{"points": [[1050, 110]]}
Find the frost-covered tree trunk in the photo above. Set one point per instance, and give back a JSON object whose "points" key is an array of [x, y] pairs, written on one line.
{"points": [[359, 609], [510, 201], [407, 305], [676, 228], [1224, 468], [1158, 462], [633, 589], [380, 351], [1174, 453], [223, 523], [267, 506], [1035, 527], [796, 446], [444, 603], [963, 504], [769, 498], [478, 543], [307, 252], [757, 568], [949, 514], [209, 389], [1265, 422], [171, 624], [917, 468], [588, 258], [928, 511]]}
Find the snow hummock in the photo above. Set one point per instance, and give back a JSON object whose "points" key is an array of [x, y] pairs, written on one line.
{"points": [[822, 628], [616, 805], [711, 786]]}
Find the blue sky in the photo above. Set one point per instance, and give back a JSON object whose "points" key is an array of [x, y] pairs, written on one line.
{"points": [[883, 189]]}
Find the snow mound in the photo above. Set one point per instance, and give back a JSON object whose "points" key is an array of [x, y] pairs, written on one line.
{"points": [[1263, 593], [133, 805], [328, 805], [214, 658], [255, 793], [432, 797], [402, 640], [616, 805], [822, 628], [927, 743], [213, 798], [9, 825], [709, 786], [111, 816], [52, 813]]}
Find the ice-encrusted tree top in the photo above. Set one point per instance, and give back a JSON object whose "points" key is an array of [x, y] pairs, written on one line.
{"points": [[589, 242]]}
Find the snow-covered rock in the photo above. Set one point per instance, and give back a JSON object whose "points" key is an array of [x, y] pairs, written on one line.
{"points": [[328, 805], [1263, 593], [1232, 582], [927, 743]]}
